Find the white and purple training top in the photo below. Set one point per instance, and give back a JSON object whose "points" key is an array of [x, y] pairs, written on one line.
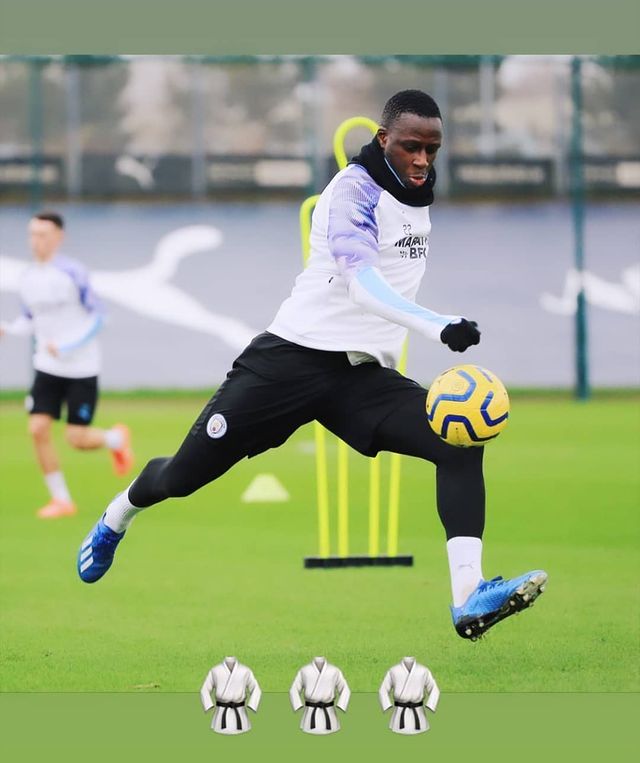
{"points": [[59, 306], [368, 256]]}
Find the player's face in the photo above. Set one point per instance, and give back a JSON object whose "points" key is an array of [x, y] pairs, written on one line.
{"points": [[44, 238], [410, 146]]}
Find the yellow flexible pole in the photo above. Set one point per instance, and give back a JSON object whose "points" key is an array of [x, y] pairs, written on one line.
{"points": [[343, 498], [322, 472], [341, 133], [343, 451], [374, 507], [394, 483]]}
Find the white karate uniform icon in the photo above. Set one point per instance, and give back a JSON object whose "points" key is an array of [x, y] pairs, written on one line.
{"points": [[319, 682], [226, 686], [409, 682]]}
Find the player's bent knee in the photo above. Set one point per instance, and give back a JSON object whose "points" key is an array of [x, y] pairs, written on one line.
{"points": [[175, 477], [178, 486], [39, 427], [178, 481], [180, 490], [75, 436], [162, 478]]}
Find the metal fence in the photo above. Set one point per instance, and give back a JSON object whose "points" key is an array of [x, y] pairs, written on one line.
{"points": [[189, 127]]}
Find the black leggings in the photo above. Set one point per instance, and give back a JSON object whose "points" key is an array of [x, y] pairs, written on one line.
{"points": [[460, 490], [459, 479], [275, 386]]}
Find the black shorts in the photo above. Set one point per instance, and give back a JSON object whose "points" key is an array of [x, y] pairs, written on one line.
{"points": [[276, 386], [49, 392]]}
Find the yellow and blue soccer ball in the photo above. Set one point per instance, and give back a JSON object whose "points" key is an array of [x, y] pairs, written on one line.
{"points": [[467, 406]]}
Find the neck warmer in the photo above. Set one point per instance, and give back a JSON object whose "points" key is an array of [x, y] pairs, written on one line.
{"points": [[371, 157]]}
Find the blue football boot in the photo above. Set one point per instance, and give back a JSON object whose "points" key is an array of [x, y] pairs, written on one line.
{"points": [[96, 552], [493, 600]]}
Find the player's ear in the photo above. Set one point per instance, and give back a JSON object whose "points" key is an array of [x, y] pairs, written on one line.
{"points": [[382, 137]]}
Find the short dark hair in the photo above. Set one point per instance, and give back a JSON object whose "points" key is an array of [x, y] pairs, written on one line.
{"points": [[52, 217], [411, 102]]}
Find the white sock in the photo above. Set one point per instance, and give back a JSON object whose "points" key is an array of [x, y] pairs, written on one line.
{"points": [[121, 512], [57, 486], [113, 439], [465, 566]]}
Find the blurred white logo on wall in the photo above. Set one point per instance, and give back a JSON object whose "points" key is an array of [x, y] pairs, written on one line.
{"points": [[147, 291], [622, 297]]}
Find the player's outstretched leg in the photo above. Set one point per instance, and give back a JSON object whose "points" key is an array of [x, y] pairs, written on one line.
{"points": [[495, 599], [196, 463], [478, 604]]}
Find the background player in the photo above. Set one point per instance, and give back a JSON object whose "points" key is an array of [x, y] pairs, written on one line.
{"points": [[330, 355], [61, 311]]}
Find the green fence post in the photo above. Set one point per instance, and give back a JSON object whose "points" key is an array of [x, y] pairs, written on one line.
{"points": [[313, 123], [35, 130], [582, 390]]}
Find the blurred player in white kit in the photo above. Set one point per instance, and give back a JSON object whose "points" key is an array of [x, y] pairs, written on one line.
{"points": [[63, 315]]}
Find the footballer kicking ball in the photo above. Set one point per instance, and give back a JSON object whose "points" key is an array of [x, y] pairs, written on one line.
{"points": [[467, 406]]}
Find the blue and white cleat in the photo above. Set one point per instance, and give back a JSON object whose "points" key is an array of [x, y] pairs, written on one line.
{"points": [[97, 551], [493, 600]]}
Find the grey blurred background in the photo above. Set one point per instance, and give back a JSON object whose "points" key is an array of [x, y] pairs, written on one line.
{"points": [[181, 179]]}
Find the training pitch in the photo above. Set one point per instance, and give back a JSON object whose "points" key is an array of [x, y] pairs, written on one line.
{"points": [[207, 576]]}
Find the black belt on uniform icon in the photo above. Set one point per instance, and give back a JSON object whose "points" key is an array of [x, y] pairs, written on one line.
{"points": [[234, 706], [322, 706], [411, 706]]}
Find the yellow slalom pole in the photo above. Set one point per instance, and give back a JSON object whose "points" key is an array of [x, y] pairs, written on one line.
{"points": [[343, 498], [374, 507], [322, 483], [322, 472], [394, 482], [306, 210], [343, 452]]}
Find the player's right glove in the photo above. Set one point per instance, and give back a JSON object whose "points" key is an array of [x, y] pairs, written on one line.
{"points": [[461, 335]]}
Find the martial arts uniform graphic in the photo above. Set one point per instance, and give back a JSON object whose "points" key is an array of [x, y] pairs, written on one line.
{"points": [[230, 682], [409, 682], [320, 683]]}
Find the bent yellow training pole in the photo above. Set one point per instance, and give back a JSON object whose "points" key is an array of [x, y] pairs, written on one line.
{"points": [[341, 133], [343, 451], [343, 558]]}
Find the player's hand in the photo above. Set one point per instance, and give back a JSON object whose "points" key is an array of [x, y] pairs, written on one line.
{"points": [[461, 335], [52, 349]]}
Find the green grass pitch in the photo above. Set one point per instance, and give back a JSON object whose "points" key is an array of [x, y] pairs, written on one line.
{"points": [[207, 576]]}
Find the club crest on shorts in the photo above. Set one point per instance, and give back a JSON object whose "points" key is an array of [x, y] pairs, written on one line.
{"points": [[216, 426], [28, 403], [84, 412]]}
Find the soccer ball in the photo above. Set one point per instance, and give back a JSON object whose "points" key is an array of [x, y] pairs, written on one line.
{"points": [[467, 405]]}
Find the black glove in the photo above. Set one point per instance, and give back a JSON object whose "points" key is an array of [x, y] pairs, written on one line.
{"points": [[459, 336]]}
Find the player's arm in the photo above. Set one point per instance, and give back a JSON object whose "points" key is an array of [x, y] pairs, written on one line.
{"points": [[353, 242], [94, 307], [20, 326]]}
